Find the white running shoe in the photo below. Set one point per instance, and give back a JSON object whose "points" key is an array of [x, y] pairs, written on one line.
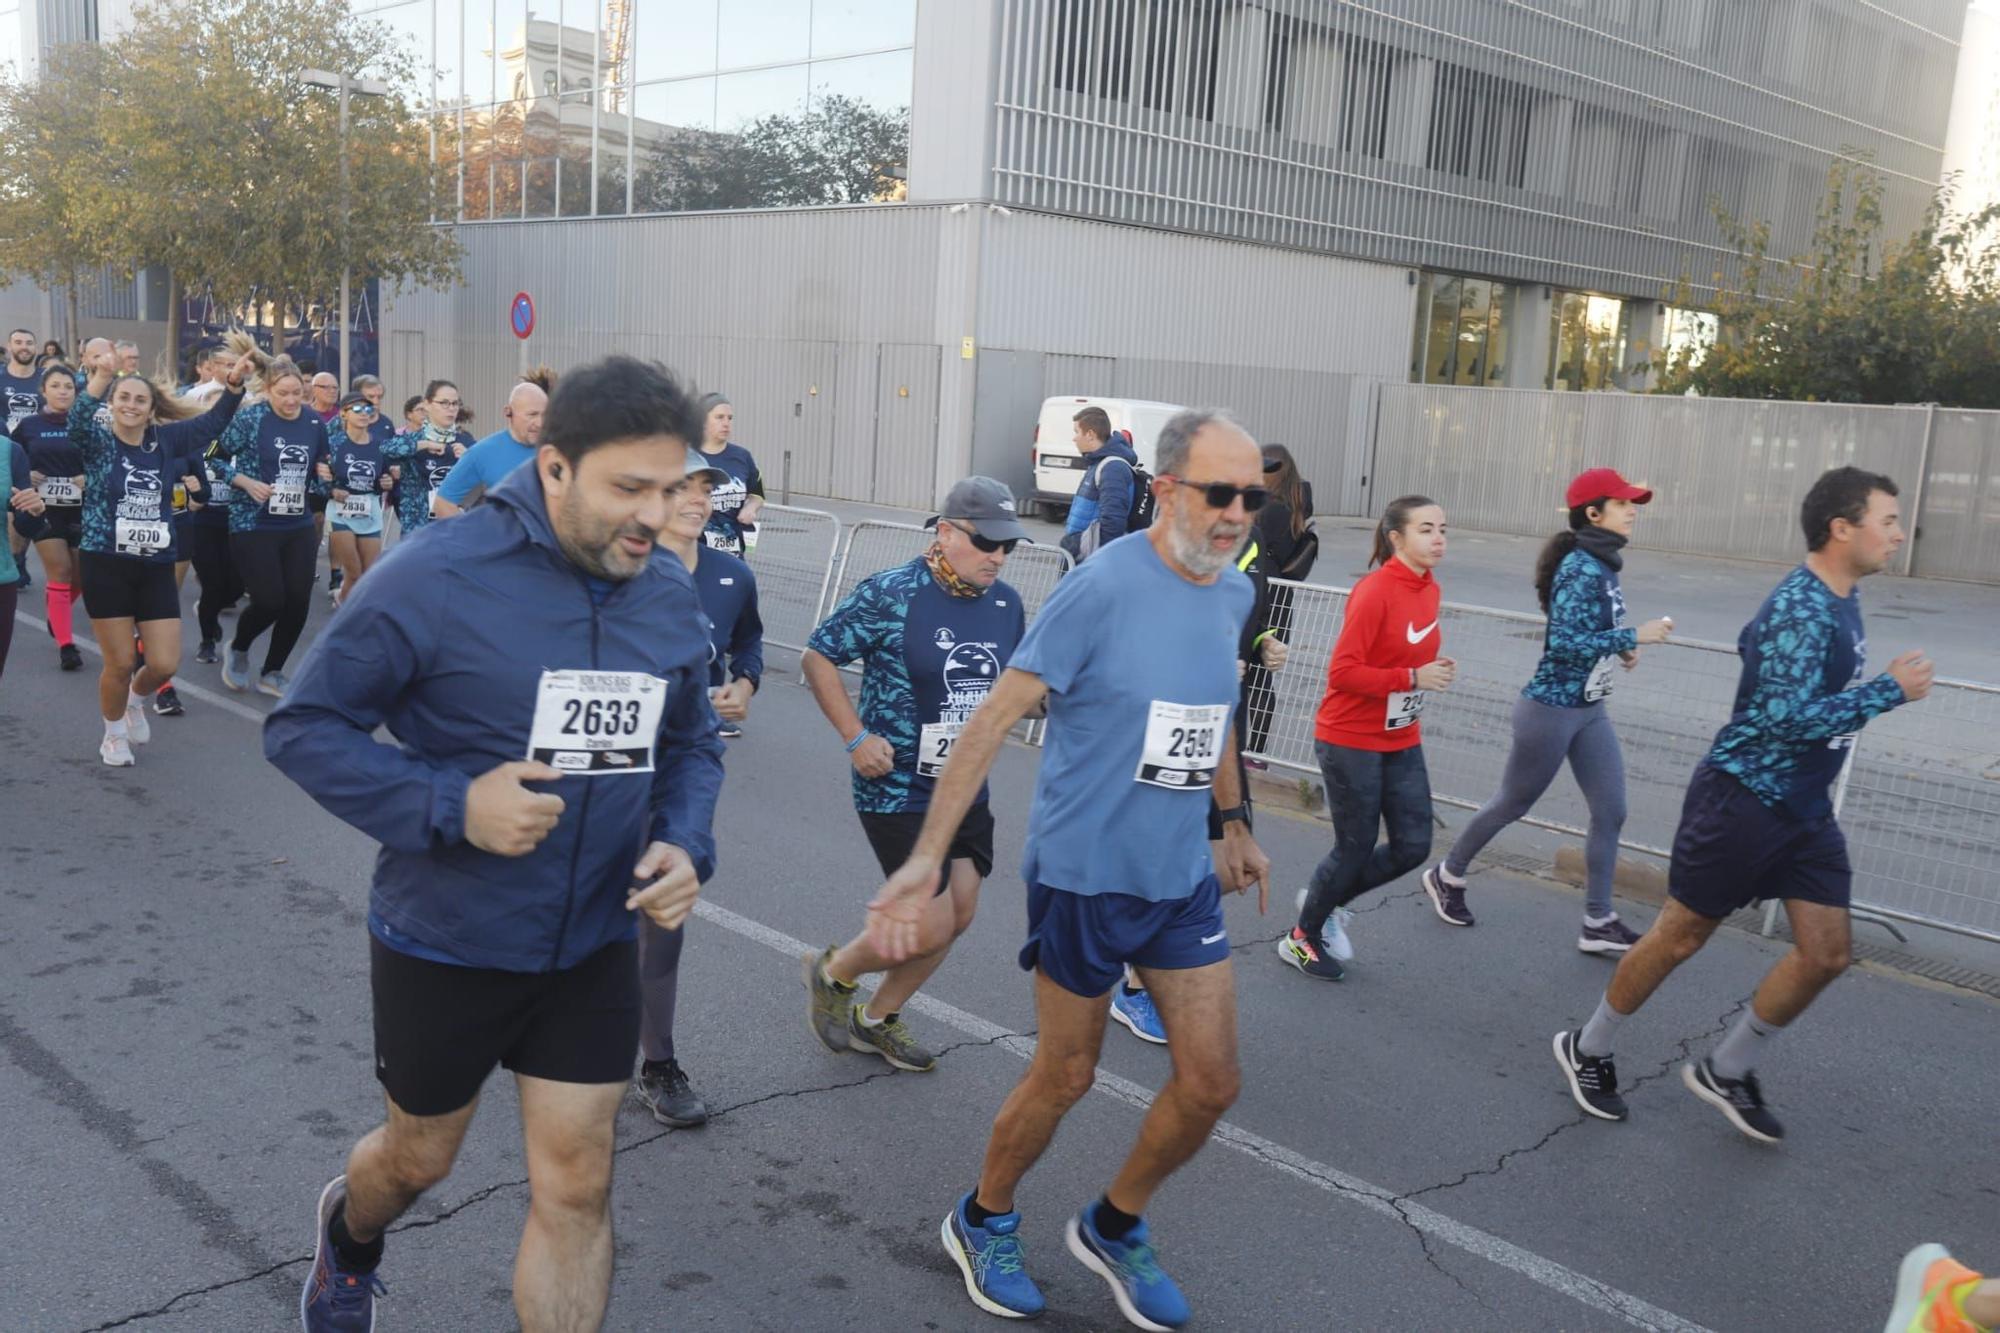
{"points": [[1334, 938], [136, 726], [116, 752]]}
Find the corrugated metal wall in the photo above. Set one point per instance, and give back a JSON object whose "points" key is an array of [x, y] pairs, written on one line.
{"points": [[1727, 475], [1539, 140]]}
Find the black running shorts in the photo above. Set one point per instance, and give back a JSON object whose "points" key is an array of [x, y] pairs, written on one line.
{"points": [[118, 587], [1732, 849], [894, 837], [440, 1028]]}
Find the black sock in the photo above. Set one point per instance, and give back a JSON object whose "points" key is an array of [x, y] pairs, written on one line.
{"points": [[354, 1256], [657, 1066], [1110, 1222], [974, 1214]]}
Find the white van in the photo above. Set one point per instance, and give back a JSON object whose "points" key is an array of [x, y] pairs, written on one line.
{"points": [[1058, 465]]}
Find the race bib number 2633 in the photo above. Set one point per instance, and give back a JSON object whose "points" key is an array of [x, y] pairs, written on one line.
{"points": [[597, 722], [1183, 745]]}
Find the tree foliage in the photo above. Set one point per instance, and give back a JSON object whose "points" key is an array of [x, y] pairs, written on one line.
{"points": [[838, 151], [203, 152], [1861, 317]]}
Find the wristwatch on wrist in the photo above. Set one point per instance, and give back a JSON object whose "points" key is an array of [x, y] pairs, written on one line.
{"points": [[1241, 813]]}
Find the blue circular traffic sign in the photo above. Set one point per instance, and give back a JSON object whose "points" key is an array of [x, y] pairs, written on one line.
{"points": [[522, 316]]}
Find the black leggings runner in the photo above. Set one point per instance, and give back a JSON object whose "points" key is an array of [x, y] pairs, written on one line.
{"points": [[221, 586], [277, 571], [9, 595]]}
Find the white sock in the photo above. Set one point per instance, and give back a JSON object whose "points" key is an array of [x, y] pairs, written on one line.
{"points": [[1456, 881], [115, 728], [135, 700], [861, 1016], [1599, 922]]}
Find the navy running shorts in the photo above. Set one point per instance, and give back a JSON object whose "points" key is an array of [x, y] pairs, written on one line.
{"points": [[1733, 850], [1083, 940]]}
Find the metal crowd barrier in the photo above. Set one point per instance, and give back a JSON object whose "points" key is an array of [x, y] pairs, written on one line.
{"points": [[794, 560], [1920, 802]]}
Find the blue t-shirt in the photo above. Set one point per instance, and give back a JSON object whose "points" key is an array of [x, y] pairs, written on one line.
{"points": [[1796, 716], [1586, 633], [725, 531], [928, 660], [728, 592], [21, 395], [486, 465], [1141, 670]]}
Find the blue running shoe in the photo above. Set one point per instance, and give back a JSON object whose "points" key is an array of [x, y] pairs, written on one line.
{"points": [[1146, 1296], [335, 1300], [992, 1261], [1135, 1010]]}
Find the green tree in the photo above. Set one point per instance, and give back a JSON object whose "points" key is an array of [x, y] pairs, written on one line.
{"points": [[58, 216], [839, 151], [1860, 317]]}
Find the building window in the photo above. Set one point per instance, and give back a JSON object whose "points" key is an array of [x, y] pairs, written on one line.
{"points": [[1588, 336], [1364, 98], [1462, 330], [1183, 43], [1479, 126], [1094, 47]]}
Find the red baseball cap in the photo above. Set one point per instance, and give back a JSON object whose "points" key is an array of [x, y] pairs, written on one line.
{"points": [[1603, 483]]}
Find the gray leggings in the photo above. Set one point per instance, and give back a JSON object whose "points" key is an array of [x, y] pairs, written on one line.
{"points": [[1544, 736], [659, 987]]}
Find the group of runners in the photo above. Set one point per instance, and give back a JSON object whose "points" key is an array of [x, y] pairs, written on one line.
{"points": [[544, 842]]}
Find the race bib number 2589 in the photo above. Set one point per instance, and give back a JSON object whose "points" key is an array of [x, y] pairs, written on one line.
{"points": [[597, 722]]}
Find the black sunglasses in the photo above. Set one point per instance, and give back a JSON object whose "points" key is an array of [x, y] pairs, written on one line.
{"points": [[987, 545], [1221, 495]]}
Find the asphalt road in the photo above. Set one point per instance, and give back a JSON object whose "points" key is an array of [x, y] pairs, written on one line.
{"points": [[184, 1060]]}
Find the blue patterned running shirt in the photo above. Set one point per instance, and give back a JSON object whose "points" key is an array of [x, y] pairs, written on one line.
{"points": [[928, 660], [1586, 633], [1796, 716]]}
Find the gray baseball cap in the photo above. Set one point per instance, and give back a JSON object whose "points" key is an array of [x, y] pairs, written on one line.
{"points": [[716, 476], [987, 507]]}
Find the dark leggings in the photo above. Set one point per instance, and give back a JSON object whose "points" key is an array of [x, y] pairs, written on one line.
{"points": [[9, 595], [659, 987], [207, 549], [277, 571], [1367, 790]]}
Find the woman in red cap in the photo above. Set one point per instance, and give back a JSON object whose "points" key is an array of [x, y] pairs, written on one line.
{"points": [[1561, 713]]}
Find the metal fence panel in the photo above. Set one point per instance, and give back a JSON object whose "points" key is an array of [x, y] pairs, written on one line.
{"points": [[1958, 519], [873, 546], [793, 561], [1921, 805]]}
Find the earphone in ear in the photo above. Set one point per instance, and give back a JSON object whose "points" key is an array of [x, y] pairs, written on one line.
{"points": [[555, 470]]}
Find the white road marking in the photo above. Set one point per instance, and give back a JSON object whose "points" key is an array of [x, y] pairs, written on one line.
{"points": [[1579, 1287]]}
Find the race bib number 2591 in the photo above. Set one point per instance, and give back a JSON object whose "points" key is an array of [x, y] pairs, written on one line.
{"points": [[597, 722], [1183, 745]]}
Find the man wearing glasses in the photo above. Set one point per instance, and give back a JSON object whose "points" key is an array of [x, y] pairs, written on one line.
{"points": [[932, 637], [1134, 656], [487, 463]]}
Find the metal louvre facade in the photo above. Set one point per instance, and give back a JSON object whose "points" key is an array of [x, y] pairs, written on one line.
{"points": [[1547, 140]]}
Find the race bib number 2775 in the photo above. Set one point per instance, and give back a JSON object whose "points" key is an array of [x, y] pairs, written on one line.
{"points": [[597, 722]]}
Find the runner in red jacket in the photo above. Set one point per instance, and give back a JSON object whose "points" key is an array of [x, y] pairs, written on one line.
{"points": [[1368, 735]]}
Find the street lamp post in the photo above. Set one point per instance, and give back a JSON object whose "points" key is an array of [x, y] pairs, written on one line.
{"points": [[345, 85]]}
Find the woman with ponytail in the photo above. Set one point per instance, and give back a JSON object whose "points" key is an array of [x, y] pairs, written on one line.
{"points": [[1561, 714], [55, 467], [1367, 736]]}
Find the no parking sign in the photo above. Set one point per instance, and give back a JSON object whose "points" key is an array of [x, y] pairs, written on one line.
{"points": [[521, 316]]}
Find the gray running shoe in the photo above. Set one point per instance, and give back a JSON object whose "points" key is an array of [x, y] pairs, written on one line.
{"points": [[236, 670], [889, 1039], [827, 1003], [665, 1090], [274, 683]]}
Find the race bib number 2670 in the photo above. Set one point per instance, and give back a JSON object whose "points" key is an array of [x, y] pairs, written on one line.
{"points": [[597, 722]]}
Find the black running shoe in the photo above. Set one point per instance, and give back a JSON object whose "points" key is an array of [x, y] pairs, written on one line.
{"points": [[71, 657], [1740, 1099], [664, 1087], [334, 581], [167, 703], [1593, 1079], [1447, 899], [206, 654], [1309, 957]]}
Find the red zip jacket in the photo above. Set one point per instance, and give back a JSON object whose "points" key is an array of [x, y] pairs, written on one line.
{"points": [[1390, 629]]}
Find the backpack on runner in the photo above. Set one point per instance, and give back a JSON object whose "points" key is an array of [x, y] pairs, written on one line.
{"points": [[1138, 514]]}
